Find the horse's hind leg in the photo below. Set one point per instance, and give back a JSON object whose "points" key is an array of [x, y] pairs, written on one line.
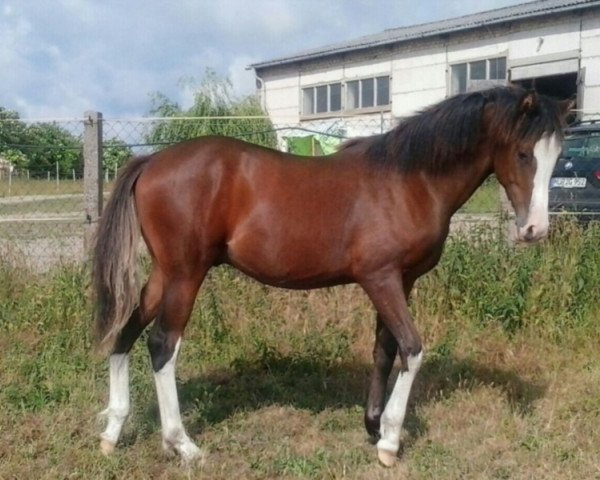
{"points": [[163, 343], [118, 403]]}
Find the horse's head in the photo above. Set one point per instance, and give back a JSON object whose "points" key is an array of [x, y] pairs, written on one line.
{"points": [[524, 164]]}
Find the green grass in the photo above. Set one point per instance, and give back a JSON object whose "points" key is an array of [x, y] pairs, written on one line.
{"points": [[272, 382], [485, 200], [24, 187]]}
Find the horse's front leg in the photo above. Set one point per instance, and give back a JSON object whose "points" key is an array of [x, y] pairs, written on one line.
{"points": [[384, 353], [386, 291]]}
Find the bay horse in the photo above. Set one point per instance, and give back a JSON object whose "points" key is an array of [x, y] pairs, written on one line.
{"points": [[376, 212]]}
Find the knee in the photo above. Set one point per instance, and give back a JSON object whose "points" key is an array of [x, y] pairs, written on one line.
{"points": [[413, 346], [119, 412], [415, 361], [412, 355]]}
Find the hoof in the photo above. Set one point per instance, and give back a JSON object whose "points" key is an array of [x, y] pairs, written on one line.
{"points": [[196, 458], [188, 452], [169, 450], [107, 447], [387, 458]]}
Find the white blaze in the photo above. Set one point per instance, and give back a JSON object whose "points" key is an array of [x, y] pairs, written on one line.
{"points": [[546, 152]]}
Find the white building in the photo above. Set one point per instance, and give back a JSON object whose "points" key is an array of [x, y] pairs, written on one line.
{"points": [[553, 45]]}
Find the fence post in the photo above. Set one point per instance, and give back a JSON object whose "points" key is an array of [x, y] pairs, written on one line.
{"points": [[92, 176]]}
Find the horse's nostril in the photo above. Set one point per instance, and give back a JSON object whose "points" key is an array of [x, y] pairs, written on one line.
{"points": [[530, 233], [530, 230]]}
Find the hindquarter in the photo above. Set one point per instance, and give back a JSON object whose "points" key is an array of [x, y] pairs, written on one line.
{"points": [[182, 205]]}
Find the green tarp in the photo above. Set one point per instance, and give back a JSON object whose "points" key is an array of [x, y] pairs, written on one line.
{"points": [[312, 145]]}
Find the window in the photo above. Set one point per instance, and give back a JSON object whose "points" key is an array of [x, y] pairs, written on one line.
{"points": [[352, 96], [459, 78], [587, 146], [368, 93], [383, 90], [335, 97], [322, 99], [308, 100], [574, 147], [364, 93], [477, 70], [466, 77], [593, 147], [497, 68]]}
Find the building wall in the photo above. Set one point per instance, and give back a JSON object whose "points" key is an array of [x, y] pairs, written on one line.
{"points": [[420, 70], [590, 64]]}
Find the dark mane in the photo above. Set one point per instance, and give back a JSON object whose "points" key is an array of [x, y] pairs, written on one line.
{"points": [[444, 136]]}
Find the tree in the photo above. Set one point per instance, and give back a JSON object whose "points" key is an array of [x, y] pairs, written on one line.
{"points": [[13, 133], [115, 153], [16, 158], [214, 111], [38, 147], [49, 144]]}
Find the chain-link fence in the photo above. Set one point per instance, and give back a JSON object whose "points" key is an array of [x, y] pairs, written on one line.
{"points": [[45, 209], [41, 191]]}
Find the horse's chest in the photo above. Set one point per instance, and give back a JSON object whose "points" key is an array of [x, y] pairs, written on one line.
{"points": [[422, 253]]}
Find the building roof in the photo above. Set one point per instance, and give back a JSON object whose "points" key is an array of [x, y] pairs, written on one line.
{"points": [[467, 22]]}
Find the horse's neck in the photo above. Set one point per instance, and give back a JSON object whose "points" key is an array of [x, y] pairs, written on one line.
{"points": [[451, 191]]}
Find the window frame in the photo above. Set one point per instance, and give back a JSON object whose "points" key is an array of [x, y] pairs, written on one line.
{"points": [[315, 102], [372, 109], [344, 109], [467, 64]]}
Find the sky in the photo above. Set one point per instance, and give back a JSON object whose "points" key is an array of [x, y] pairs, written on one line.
{"points": [[59, 58]]}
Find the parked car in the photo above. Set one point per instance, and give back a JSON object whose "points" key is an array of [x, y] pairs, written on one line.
{"points": [[575, 182]]}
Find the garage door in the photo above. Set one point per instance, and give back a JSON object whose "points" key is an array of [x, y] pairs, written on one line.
{"points": [[544, 66]]}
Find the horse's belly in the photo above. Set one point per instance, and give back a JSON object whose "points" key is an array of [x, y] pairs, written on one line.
{"points": [[290, 265]]}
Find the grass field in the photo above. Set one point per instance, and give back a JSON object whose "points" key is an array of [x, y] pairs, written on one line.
{"points": [[272, 382], [23, 186]]}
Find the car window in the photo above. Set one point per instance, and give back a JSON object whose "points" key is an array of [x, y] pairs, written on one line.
{"points": [[593, 147], [574, 147]]}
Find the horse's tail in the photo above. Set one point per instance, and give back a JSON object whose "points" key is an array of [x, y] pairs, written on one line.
{"points": [[114, 275]]}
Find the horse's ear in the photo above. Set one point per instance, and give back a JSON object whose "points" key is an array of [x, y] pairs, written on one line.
{"points": [[528, 101]]}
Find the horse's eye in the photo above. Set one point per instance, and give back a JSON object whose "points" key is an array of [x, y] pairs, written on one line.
{"points": [[523, 157]]}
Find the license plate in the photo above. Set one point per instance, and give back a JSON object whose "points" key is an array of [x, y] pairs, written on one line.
{"points": [[568, 182]]}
